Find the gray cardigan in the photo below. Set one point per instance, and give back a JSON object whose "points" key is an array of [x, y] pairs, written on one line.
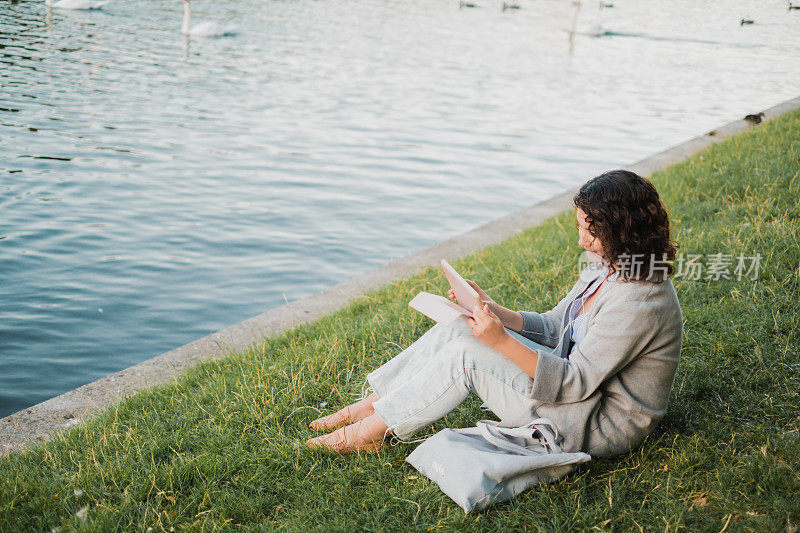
{"points": [[611, 390]]}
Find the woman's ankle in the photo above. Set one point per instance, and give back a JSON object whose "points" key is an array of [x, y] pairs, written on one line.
{"points": [[362, 408], [371, 428], [372, 398]]}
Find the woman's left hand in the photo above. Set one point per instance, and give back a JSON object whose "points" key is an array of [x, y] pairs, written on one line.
{"points": [[486, 326]]}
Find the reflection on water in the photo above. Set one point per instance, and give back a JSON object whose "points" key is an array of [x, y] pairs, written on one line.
{"points": [[155, 189]]}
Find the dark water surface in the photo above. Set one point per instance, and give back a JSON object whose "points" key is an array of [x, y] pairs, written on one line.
{"points": [[154, 190]]}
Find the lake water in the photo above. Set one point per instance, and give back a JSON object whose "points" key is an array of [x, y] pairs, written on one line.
{"points": [[154, 190]]}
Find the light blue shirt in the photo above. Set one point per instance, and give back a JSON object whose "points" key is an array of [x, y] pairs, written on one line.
{"points": [[578, 322], [579, 328]]}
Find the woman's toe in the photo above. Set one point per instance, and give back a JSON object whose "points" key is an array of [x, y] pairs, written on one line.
{"points": [[329, 422], [333, 441], [322, 440]]}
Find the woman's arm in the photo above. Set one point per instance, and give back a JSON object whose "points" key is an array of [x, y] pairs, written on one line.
{"points": [[487, 328], [519, 354], [510, 319], [546, 328]]}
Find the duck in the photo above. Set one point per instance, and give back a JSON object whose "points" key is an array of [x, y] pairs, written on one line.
{"points": [[605, 5], [506, 6], [745, 21], [207, 28], [792, 6], [75, 5], [754, 119], [463, 4]]}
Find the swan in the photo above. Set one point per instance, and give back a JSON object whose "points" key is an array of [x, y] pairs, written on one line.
{"points": [[75, 4], [207, 28], [595, 30]]}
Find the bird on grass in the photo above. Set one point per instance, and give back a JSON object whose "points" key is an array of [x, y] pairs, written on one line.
{"points": [[207, 28], [76, 5], [754, 119]]}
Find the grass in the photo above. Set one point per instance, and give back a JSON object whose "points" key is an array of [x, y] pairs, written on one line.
{"points": [[220, 448]]}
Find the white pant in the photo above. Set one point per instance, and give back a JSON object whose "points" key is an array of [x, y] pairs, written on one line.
{"points": [[435, 374]]}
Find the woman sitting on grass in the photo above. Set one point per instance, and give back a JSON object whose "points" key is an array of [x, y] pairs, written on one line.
{"points": [[600, 365]]}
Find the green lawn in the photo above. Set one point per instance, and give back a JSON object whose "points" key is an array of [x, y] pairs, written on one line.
{"points": [[222, 448]]}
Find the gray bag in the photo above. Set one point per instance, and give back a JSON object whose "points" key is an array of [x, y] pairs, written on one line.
{"points": [[479, 466]]}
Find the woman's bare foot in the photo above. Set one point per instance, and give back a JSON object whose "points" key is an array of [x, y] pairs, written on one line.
{"points": [[347, 415], [364, 435]]}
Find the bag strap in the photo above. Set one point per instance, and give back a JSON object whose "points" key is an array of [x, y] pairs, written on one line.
{"points": [[499, 436], [549, 431], [546, 427]]}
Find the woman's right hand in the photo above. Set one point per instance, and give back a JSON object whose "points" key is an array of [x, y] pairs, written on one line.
{"points": [[481, 294]]}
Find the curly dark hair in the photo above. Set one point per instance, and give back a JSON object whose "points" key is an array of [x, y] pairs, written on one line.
{"points": [[625, 212]]}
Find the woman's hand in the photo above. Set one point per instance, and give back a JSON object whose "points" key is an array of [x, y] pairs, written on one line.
{"points": [[482, 296], [487, 327], [508, 318]]}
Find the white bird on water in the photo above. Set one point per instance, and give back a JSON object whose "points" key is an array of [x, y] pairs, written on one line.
{"points": [[207, 28], [75, 4]]}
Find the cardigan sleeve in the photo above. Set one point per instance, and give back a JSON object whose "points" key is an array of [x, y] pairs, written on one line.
{"points": [[619, 333], [544, 328]]}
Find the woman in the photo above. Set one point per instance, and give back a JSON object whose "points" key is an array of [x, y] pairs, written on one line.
{"points": [[600, 365]]}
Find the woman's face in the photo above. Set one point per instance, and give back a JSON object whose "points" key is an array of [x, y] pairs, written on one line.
{"points": [[590, 243]]}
